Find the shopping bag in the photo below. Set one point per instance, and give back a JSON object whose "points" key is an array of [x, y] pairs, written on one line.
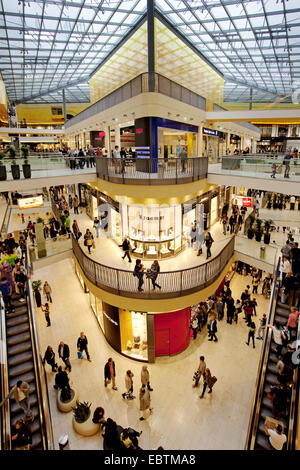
{"points": [[79, 354]]}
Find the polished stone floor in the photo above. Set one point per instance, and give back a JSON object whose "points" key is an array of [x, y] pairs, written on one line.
{"points": [[180, 419]]}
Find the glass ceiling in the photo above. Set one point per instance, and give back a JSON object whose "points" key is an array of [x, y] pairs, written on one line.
{"points": [[252, 42], [48, 45]]}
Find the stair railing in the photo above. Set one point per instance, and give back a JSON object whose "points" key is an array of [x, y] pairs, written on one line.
{"points": [[5, 442]]}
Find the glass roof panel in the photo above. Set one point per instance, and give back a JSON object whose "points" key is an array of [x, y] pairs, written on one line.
{"points": [[58, 43]]}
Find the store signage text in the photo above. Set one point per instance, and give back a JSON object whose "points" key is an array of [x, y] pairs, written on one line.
{"points": [[161, 217], [207, 131], [243, 201], [110, 319], [29, 202]]}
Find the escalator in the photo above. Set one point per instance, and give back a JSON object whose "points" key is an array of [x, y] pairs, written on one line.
{"points": [[267, 377], [282, 312], [20, 366]]}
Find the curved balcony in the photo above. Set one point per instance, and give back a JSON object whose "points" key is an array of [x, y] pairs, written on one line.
{"points": [[173, 283], [150, 171]]}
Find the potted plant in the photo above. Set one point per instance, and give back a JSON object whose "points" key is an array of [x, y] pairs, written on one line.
{"points": [[36, 287], [3, 174], [267, 235], [82, 419], [269, 198], [39, 220], [250, 233], [258, 232], [15, 169], [26, 166]]}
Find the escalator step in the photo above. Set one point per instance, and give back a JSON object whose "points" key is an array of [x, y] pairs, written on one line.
{"points": [[18, 348], [15, 409], [267, 403], [26, 377], [19, 320], [18, 311], [281, 319], [15, 416], [15, 296], [283, 306], [271, 379], [273, 358], [16, 330], [18, 303], [271, 367], [20, 358], [21, 369], [18, 339], [262, 442]]}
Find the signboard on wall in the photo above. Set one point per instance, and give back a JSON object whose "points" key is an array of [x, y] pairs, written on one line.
{"points": [[207, 131], [242, 201], [30, 202], [97, 138]]}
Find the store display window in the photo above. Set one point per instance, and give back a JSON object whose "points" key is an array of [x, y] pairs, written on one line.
{"points": [[214, 210], [80, 279], [133, 331]]}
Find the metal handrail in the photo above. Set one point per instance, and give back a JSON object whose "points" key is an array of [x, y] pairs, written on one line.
{"points": [[41, 378], [259, 384], [293, 421], [5, 442], [196, 277]]}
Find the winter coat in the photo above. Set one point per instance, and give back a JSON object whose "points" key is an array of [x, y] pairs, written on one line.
{"points": [[145, 376], [144, 399], [128, 382]]}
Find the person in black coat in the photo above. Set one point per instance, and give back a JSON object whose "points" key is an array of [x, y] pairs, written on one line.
{"points": [[126, 248], [49, 357], [213, 330], [111, 436], [110, 373], [82, 343], [62, 383], [230, 309], [64, 354]]}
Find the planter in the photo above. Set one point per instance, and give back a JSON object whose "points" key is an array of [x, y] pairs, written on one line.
{"points": [[15, 169], [3, 174], [66, 406], [250, 233], [38, 299], [258, 236], [267, 238], [87, 428], [26, 170]]}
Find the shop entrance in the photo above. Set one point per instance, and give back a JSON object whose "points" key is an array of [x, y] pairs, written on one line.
{"points": [[162, 342], [174, 143]]}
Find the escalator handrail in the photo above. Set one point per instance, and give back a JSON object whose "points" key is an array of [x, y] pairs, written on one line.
{"points": [[291, 438], [256, 402], [5, 442], [41, 378]]}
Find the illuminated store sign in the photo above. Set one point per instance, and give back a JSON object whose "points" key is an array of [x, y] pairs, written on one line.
{"points": [[207, 131], [242, 201], [29, 202]]}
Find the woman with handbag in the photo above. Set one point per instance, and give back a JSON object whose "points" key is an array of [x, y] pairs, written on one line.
{"points": [[209, 382], [154, 270], [128, 386]]}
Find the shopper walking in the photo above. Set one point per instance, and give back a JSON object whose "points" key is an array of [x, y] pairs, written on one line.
{"points": [[208, 240], [225, 223], [110, 374], [154, 271], [47, 291], [286, 162], [139, 273], [49, 357], [209, 382], [230, 309], [232, 221], [145, 402], [126, 249], [76, 204], [97, 226], [251, 333], [75, 229], [46, 310], [20, 391], [195, 327], [6, 291], [128, 386], [82, 343], [145, 378], [64, 354], [277, 336], [262, 327], [220, 308], [200, 371], [213, 330]]}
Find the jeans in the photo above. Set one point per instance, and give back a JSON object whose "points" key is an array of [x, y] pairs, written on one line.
{"points": [[128, 256], [97, 231], [66, 361], [49, 298], [251, 335], [208, 252], [76, 210], [25, 405], [86, 352], [141, 281], [48, 320], [22, 291], [287, 170], [205, 387], [195, 332], [7, 302], [261, 332]]}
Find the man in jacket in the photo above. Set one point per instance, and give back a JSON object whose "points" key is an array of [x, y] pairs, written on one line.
{"points": [[110, 374], [20, 392], [145, 378], [82, 343], [213, 330], [64, 354], [62, 383], [126, 248], [200, 370]]}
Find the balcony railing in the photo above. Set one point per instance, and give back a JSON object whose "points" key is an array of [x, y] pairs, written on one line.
{"points": [[151, 171], [173, 283]]}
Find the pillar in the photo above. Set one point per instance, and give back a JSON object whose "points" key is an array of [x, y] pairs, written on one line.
{"points": [[228, 140], [40, 240], [117, 136], [200, 143], [64, 105], [107, 140], [151, 45]]}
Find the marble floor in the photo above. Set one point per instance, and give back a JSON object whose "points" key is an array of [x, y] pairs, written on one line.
{"points": [[180, 419]]}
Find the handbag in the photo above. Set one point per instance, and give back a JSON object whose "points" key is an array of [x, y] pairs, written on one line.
{"points": [[79, 354]]}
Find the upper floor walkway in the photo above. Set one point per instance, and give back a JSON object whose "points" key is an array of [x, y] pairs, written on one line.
{"points": [[256, 171]]}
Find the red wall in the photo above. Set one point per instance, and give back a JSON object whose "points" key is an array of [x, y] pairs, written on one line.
{"points": [[173, 327]]}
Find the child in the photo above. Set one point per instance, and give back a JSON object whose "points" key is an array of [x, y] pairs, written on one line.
{"points": [[46, 310]]}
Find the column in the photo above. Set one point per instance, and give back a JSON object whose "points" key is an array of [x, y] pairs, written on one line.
{"points": [[64, 106], [199, 142], [117, 136], [107, 140], [228, 140], [151, 45]]}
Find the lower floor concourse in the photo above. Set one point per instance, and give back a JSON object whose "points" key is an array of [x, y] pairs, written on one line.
{"points": [[180, 420]]}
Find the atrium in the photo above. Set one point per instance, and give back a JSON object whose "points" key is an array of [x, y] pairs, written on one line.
{"points": [[149, 254]]}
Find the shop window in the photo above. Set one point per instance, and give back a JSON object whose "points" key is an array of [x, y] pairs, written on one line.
{"points": [[133, 329], [56, 111]]}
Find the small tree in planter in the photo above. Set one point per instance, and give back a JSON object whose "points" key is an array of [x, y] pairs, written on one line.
{"points": [[3, 174], [26, 166], [82, 411], [258, 232], [250, 233], [36, 287], [15, 169], [267, 235]]}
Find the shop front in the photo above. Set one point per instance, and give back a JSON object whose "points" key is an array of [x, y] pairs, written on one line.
{"points": [[172, 332], [210, 143]]}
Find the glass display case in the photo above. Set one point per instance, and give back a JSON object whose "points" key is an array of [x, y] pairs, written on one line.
{"points": [[133, 332], [154, 232]]}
